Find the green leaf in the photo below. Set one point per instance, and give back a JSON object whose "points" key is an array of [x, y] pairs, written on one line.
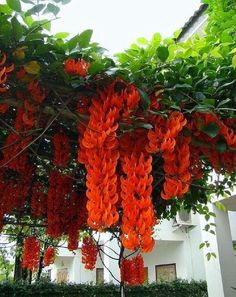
{"points": [[209, 101], [208, 255], [35, 9], [17, 28], [220, 206], [84, 38], [51, 8], [211, 130], [63, 2], [234, 61], [14, 4], [182, 86], [5, 9], [145, 99], [142, 41], [162, 53], [221, 146], [156, 39], [223, 102], [28, 2], [144, 125], [28, 20], [96, 67], [233, 51], [201, 245], [72, 43], [62, 35]]}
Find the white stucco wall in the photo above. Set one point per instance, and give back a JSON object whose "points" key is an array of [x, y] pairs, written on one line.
{"points": [[232, 221]]}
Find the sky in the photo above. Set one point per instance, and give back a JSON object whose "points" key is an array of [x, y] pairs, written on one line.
{"points": [[117, 24]]}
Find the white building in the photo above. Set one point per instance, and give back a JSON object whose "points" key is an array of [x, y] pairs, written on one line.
{"points": [[176, 254]]}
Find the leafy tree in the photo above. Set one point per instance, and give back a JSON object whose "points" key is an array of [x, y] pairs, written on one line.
{"points": [[152, 124]]}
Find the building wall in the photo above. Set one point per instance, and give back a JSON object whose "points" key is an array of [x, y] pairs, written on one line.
{"points": [[232, 221], [197, 27]]}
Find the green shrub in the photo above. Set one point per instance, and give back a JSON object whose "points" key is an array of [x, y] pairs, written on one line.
{"points": [[177, 288]]}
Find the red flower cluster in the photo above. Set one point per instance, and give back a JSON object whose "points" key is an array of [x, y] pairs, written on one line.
{"points": [[14, 191], [61, 149], [37, 92], [100, 154], [79, 67], [89, 253], [31, 254], [49, 256], [138, 214], [132, 271], [57, 203], [74, 223], [226, 134], [38, 200], [3, 72], [162, 138], [177, 169]]}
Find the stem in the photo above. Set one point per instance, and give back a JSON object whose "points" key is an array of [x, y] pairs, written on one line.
{"points": [[121, 257]]}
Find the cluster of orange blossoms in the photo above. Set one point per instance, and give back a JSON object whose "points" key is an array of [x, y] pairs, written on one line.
{"points": [[61, 149], [138, 214], [99, 152], [31, 254], [79, 67], [89, 253], [57, 204], [49, 256], [132, 271]]}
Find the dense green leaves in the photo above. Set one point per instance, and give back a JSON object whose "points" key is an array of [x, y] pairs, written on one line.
{"points": [[162, 53], [180, 288], [84, 38], [14, 4]]}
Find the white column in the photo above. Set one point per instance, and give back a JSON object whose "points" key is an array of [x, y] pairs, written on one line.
{"points": [[220, 272], [111, 249], [76, 266]]}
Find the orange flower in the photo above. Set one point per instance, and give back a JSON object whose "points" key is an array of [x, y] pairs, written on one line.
{"points": [[79, 67], [3, 73]]}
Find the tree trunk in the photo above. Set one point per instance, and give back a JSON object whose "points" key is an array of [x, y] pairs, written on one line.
{"points": [[122, 290], [17, 269], [40, 267]]}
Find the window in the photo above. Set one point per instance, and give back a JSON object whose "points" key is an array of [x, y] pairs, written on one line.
{"points": [[146, 275], [166, 272], [62, 275], [99, 276]]}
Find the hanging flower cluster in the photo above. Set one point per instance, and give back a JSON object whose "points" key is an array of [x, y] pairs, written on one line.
{"points": [[31, 254], [79, 67], [15, 171], [101, 156], [89, 253], [132, 271], [74, 224], [224, 134], [138, 214], [57, 203], [61, 149], [177, 169], [49, 256], [38, 200]]}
